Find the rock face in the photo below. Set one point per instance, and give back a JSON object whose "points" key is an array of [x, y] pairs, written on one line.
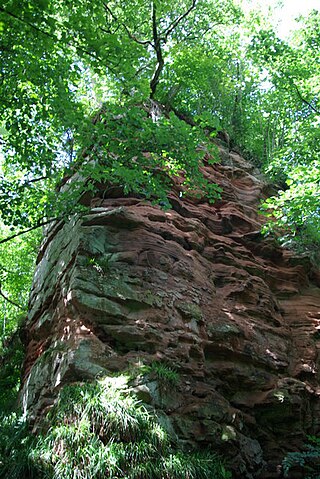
{"points": [[196, 287]]}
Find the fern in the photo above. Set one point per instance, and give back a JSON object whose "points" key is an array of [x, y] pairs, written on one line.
{"points": [[308, 460]]}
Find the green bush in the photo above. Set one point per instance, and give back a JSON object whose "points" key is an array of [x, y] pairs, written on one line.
{"points": [[96, 430]]}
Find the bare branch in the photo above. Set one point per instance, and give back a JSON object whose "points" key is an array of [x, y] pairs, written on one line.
{"points": [[10, 300], [109, 32], [157, 47], [133, 37], [203, 33], [38, 225], [130, 34], [182, 116], [35, 180], [305, 101], [13, 15], [176, 22]]}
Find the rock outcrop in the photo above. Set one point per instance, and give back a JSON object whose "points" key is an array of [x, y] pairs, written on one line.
{"points": [[196, 287]]}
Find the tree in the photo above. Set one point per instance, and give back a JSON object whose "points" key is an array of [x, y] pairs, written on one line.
{"points": [[77, 56], [295, 153]]}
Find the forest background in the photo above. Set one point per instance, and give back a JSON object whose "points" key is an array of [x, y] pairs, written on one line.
{"points": [[78, 80]]}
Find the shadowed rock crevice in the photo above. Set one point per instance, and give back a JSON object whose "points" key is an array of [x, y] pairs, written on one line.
{"points": [[196, 287]]}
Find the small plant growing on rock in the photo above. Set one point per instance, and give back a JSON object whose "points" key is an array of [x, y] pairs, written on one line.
{"points": [[165, 374], [101, 264]]}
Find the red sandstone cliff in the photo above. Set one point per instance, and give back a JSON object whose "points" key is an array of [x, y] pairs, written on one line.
{"points": [[200, 288]]}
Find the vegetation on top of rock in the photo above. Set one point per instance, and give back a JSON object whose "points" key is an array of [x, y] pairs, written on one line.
{"points": [[206, 61]]}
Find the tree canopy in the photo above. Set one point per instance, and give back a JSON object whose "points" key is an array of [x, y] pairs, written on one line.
{"points": [[63, 61]]}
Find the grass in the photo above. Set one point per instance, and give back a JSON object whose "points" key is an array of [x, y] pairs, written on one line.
{"points": [[163, 373], [97, 430]]}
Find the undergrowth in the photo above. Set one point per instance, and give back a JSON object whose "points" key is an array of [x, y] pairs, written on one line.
{"points": [[96, 430], [307, 461], [11, 360]]}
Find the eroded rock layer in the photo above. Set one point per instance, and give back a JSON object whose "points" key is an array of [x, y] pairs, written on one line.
{"points": [[199, 288]]}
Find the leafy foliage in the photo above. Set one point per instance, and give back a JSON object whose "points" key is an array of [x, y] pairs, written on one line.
{"points": [[297, 209], [308, 460], [165, 374], [98, 430], [81, 54], [294, 159], [141, 156], [17, 259], [191, 56]]}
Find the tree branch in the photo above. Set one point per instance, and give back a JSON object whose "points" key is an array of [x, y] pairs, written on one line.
{"points": [[133, 37], [35, 180], [157, 39], [200, 36], [304, 100], [39, 225], [10, 300], [176, 22], [130, 34], [157, 47], [187, 119], [13, 15]]}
